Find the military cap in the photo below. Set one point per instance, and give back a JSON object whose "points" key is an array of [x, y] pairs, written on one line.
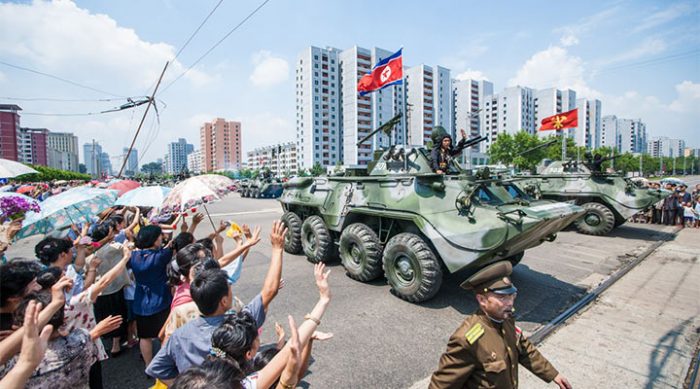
{"points": [[493, 278]]}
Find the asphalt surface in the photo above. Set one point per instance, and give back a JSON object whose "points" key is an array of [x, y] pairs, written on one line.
{"points": [[380, 340]]}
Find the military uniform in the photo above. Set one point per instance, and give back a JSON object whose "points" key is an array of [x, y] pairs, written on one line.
{"points": [[484, 353]]}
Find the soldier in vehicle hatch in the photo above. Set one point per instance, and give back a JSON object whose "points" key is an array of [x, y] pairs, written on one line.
{"points": [[595, 163], [443, 151], [487, 348]]}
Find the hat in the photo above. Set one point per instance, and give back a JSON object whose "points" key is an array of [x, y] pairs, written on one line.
{"points": [[493, 278]]}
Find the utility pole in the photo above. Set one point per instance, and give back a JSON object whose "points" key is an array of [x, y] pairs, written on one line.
{"points": [[151, 101], [641, 172]]}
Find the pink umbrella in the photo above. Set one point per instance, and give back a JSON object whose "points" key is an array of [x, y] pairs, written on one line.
{"points": [[124, 186]]}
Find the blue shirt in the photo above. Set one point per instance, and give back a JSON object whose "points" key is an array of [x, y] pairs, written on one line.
{"points": [[152, 291], [189, 345]]}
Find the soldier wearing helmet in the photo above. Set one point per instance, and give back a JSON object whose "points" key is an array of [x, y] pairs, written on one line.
{"points": [[443, 151]]}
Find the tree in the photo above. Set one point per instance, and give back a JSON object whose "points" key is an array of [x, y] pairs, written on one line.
{"points": [[152, 168], [82, 169], [317, 170]]}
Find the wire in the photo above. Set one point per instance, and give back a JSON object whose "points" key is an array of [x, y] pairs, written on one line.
{"points": [[197, 30], [59, 79], [55, 99], [236, 27]]}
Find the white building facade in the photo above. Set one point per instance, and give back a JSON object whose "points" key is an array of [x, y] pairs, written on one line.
{"points": [[666, 147], [588, 132], [281, 159], [510, 111], [176, 161]]}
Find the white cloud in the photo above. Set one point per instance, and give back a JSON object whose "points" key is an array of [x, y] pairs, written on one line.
{"points": [[688, 100], [649, 47], [61, 38], [471, 74], [269, 70], [662, 17], [569, 40], [554, 67]]}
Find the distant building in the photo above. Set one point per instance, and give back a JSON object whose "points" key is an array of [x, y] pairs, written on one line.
{"points": [[468, 98], [429, 100], [220, 143], [549, 102], [96, 161], [666, 147], [63, 151], [177, 156], [510, 111], [195, 162], [32, 146], [9, 131], [690, 152], [587, 133], [132, 164], [280, 158]]}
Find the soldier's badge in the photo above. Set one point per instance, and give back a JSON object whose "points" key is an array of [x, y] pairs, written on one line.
{"points": [[474, 333], [493, 355]]}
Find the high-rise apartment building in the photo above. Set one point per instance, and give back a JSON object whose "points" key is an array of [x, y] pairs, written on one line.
{"points": [[549, 102], [281, 158], [666, 147], [176, 161], [429, 100], [510, 111], [63, 151], [194, 162], [220, 143], [96, 161], [588, 132], [132, 163], [32, 146], [9, 131], [468, 98], [624, 135]]}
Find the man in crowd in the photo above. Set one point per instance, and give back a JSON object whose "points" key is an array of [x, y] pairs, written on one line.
{"points": [[486, 349]]}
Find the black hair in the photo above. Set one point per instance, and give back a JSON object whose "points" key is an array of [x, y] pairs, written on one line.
{"points": [[208, 243], [43, 297], [213, 374], [14, 278], [264, 356], [49, 249], [208, 288], [235, 337], [48, 277], [101, 231], [186, 257], [115, 220], [147, 237], [181, 240]]}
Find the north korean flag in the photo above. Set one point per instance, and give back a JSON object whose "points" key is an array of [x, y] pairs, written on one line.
{"points": [[388, 71]]}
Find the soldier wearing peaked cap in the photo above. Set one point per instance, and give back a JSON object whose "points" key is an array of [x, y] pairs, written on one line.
{"points": [[486, 349]]}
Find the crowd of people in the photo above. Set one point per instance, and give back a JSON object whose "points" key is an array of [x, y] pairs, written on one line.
{"points": [[124, 280], [681, 208]]}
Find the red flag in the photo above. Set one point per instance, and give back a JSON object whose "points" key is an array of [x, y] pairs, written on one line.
{"points": [[388, 71], [561, 120]]}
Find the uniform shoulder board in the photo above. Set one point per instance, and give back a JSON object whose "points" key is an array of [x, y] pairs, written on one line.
{"points": [[474, 333]]}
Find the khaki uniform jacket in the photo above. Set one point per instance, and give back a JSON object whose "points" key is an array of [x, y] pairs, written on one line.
{"points": [[485, 354]]}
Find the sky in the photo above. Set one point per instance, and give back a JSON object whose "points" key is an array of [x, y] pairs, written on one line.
{"points": [[640, 58]]}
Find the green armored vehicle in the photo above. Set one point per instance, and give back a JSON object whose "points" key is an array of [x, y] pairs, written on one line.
{"points": [[609, 198], [399, 219], [262, 187]]}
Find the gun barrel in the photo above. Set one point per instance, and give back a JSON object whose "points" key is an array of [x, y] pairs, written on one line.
{"points": [[551, 142], [386, 127], [473, 141]]}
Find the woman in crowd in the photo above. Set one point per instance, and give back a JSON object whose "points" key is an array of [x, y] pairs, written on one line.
{"points": [[152, 297], [17, 279], [54, 252]]}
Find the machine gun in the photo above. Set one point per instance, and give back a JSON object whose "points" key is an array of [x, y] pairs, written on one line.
{"points": [[596, 164], [474, 141], [386, 127], [543, 145]]}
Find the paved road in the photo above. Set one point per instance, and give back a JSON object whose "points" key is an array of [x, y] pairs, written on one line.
{"points": [[382, 341]]}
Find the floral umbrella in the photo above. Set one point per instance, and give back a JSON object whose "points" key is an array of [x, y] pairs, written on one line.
{"points": [[124, 186], [72, 206], [197, 190]]}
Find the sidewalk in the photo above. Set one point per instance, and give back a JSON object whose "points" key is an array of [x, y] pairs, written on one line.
{"points": [[641, 333]]}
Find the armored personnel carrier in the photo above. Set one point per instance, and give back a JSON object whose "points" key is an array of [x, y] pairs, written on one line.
{"points": [[609, 198], [262, 187], [399, 219]]}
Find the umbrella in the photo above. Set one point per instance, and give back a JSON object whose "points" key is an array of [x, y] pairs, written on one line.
{"points": [[72, 206], [197, 190], [26, 189], [124, 186], [672, 180], [145, 196], [10, 168]]}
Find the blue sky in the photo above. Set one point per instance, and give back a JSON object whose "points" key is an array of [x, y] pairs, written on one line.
{"points": [[642, 59]]}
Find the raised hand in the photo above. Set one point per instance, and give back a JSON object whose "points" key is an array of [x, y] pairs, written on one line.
{"points": [[463, 133], [318, 335], [223, 225], [321, 276], [277, 234], [34, 343], [197, 218], [109, 324], [246, 231], [57, 290]]}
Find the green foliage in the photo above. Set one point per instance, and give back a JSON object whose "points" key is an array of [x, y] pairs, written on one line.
{"points": [[82, 168], [49, 174], [152, 168], [317, 170]]}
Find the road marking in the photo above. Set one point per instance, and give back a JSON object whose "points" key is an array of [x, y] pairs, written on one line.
{"points": [[266, 210]]}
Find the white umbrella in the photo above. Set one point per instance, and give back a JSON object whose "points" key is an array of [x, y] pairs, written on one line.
{"points": [[9, 169]]}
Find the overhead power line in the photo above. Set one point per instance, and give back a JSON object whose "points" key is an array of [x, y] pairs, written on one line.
{"points": [[60, 79], [197, 30], [58, 99], [236, 27]]}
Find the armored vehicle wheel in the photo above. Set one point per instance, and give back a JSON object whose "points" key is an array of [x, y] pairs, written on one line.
{"points": [[598, 220], [411, 268], [516, 258], [361, 252], [316, 240], [246, 193], [292, 240]]}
